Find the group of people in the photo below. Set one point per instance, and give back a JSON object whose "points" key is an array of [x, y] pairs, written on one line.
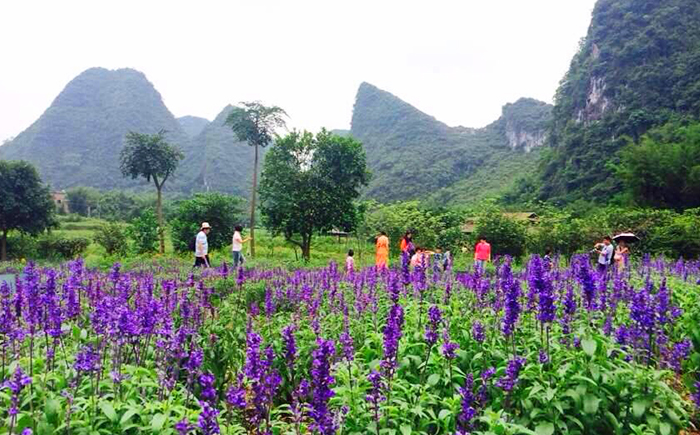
{"points": [[201, 246], [418, 256], [607, 254]]}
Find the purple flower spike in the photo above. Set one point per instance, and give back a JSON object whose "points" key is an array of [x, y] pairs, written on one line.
{"points": [[321, 392]]}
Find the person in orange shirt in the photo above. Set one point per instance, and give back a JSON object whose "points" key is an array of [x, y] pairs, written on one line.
{"points": [[482, 254], [407, 245], [382, 251]]}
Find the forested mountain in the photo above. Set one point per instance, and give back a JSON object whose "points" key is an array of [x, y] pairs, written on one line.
{"points": [[76, 142], [220, 162], [192, 125], [413, 155], [638, 67]]}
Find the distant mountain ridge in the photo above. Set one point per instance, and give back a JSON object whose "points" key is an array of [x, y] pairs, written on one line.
{"points": [[77, 140], [637, 68], [412, 155], [192, 125]]}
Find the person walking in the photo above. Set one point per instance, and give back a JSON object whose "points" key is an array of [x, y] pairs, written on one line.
{"points": [[605, 254], [382, 251], [237, 246], [482, 254], [201, 253]]}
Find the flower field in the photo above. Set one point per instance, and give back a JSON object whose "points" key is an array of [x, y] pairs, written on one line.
{"points": [[516, 350]]}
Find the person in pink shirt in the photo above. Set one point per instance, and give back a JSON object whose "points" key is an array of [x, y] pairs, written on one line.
{"points": [[482, 254], [350, 262]]}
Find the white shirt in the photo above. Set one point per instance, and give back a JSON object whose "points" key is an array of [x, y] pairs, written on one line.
{"points": [[202, 246], [237, 243], [606, 254]]}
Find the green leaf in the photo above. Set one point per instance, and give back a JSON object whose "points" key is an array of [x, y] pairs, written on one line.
{"points": [[590, 404], [108, 410], [544, 429], [405, 429], [127, 416], [665, 429], [589, 346], [157, 422], [433, 379], [638, 408], [444, 413], [51, 408]]}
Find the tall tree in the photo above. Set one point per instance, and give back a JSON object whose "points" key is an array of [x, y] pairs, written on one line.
{"points": [[255, 124], [82, 200], [26, 204], [309, 184], [151, 157]]}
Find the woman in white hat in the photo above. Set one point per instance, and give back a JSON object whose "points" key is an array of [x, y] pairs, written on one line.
{"points": [[201, 253]]}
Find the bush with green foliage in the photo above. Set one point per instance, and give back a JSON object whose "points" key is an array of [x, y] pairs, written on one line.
{"points": [[55, 247], [222, 212], [663, 169], [506, 235], [112, 238], [143, 231]]}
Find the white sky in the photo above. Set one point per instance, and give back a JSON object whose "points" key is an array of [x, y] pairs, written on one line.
{"points": [[458, 60]]}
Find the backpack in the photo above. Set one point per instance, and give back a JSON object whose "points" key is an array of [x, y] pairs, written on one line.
{"points": [[192, 246]]}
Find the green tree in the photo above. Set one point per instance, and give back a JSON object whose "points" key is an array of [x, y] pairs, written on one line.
{"points": [[221, 211], [82, 200], [26, 204], [255, 124], [506, 235], [309, 183], [663, 170], [151, 157]]}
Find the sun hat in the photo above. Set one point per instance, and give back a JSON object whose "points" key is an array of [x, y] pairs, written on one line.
{"points": [[205, 226]]}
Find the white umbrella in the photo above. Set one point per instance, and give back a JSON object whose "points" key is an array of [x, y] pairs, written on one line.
{"points": [[626, 237]]}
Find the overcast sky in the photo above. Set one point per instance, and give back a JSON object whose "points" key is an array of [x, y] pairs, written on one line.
{"points": [[459, 60]]}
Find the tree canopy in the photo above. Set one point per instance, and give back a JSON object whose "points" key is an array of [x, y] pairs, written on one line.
{"points": [[223, 212], [309, 184], [151, 157], [663, 169], [26, 204]]}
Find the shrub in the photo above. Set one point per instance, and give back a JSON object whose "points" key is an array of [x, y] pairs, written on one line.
{"points": [[143, 230], [56, 247], [112, 237], [222, 212], [506, 236]]}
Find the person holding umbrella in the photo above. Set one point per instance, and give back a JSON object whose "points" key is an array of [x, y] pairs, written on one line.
{"points": [[622, 252]]}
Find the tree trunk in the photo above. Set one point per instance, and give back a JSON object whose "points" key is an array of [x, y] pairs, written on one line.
{"points": [[3, 246], [306, 247], [161, 224], [252, 204]]}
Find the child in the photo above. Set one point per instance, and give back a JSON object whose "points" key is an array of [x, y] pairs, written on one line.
{"points": [[350, 262], [548, 259]]}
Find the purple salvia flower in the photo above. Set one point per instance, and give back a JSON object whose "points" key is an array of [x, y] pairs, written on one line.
{"points": [[696, 395], [483, 390], [585, 276], [206, 382], [392, 335], [431, 329], [235, 396], [448, 347], [543, 357], [478, 331], [375, 396], [207, 423], [510, 380], [511, 290], [290, 345], [467, 412], [16, 384], [87, 360], [183, 427], [679, 353], [321, 383]]}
